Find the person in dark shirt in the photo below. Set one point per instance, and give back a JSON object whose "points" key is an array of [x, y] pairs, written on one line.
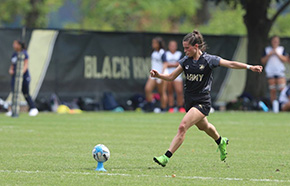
{"points": [[197, 67], [19, 46]]}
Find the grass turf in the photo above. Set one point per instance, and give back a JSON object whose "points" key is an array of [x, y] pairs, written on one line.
{"points": [[53, 149]]}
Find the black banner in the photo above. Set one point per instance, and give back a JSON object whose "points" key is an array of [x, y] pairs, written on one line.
{"points": [[7, 36], [87, 64]]}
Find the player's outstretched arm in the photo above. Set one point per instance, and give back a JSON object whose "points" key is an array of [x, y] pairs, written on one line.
{"points": [[238, 65], [167, 77]]}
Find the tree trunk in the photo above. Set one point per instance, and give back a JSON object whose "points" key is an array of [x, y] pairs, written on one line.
{"points": [[34, 13], [258, 27], [202, 15]]}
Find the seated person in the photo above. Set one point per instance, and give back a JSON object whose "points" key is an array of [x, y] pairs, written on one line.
{"points": [[284, 98]]}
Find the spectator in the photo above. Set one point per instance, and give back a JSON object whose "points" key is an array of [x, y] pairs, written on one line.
{"points": [[157, 62], [172, 57], [274, 58], [284, 98]]}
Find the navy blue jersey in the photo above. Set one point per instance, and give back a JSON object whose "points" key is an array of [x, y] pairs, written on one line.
{"points": [[14, 59], [198, 73]]}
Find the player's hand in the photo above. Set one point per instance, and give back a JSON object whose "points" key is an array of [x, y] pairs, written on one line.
{"points": [[154, 73], [272, 52], [257, 68], [11, 71]]}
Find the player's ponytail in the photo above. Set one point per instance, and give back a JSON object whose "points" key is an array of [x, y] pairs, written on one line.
{"points": [[195, 37], [22, 44], [196, 32]]}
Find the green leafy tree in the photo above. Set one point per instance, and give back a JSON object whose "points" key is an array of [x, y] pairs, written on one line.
{"points": [[132, 15], [33, 13], [258, 20], [281, 26], [226, 20], [11, 8]]}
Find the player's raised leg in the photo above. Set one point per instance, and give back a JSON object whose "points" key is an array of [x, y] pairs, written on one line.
{"points": [[210, 130], [192, 117]]}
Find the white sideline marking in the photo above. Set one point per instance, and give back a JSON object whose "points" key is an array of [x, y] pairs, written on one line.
{"points": [[143, 175]]}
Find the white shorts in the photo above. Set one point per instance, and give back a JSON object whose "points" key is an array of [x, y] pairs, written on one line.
{"points": [[275, 75], [179, 78], [158, 81], [274, 72], [170, 70]]}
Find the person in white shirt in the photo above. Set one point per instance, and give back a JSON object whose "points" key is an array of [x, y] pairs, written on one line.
{"points": [[274, 59], [157, 63], [172, 57]]}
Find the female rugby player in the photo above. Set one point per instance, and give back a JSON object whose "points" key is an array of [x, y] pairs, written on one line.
{"points": [[197, 67], [172, 57], [157, 62], [274, 59], [19, 46]]}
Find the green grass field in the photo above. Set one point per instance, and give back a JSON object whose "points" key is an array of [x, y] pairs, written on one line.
{"points": [[53, 149]]}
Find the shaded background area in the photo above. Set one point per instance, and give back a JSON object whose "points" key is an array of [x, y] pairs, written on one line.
{"points": [[65, 75], [256, 20], [119, 62]]}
